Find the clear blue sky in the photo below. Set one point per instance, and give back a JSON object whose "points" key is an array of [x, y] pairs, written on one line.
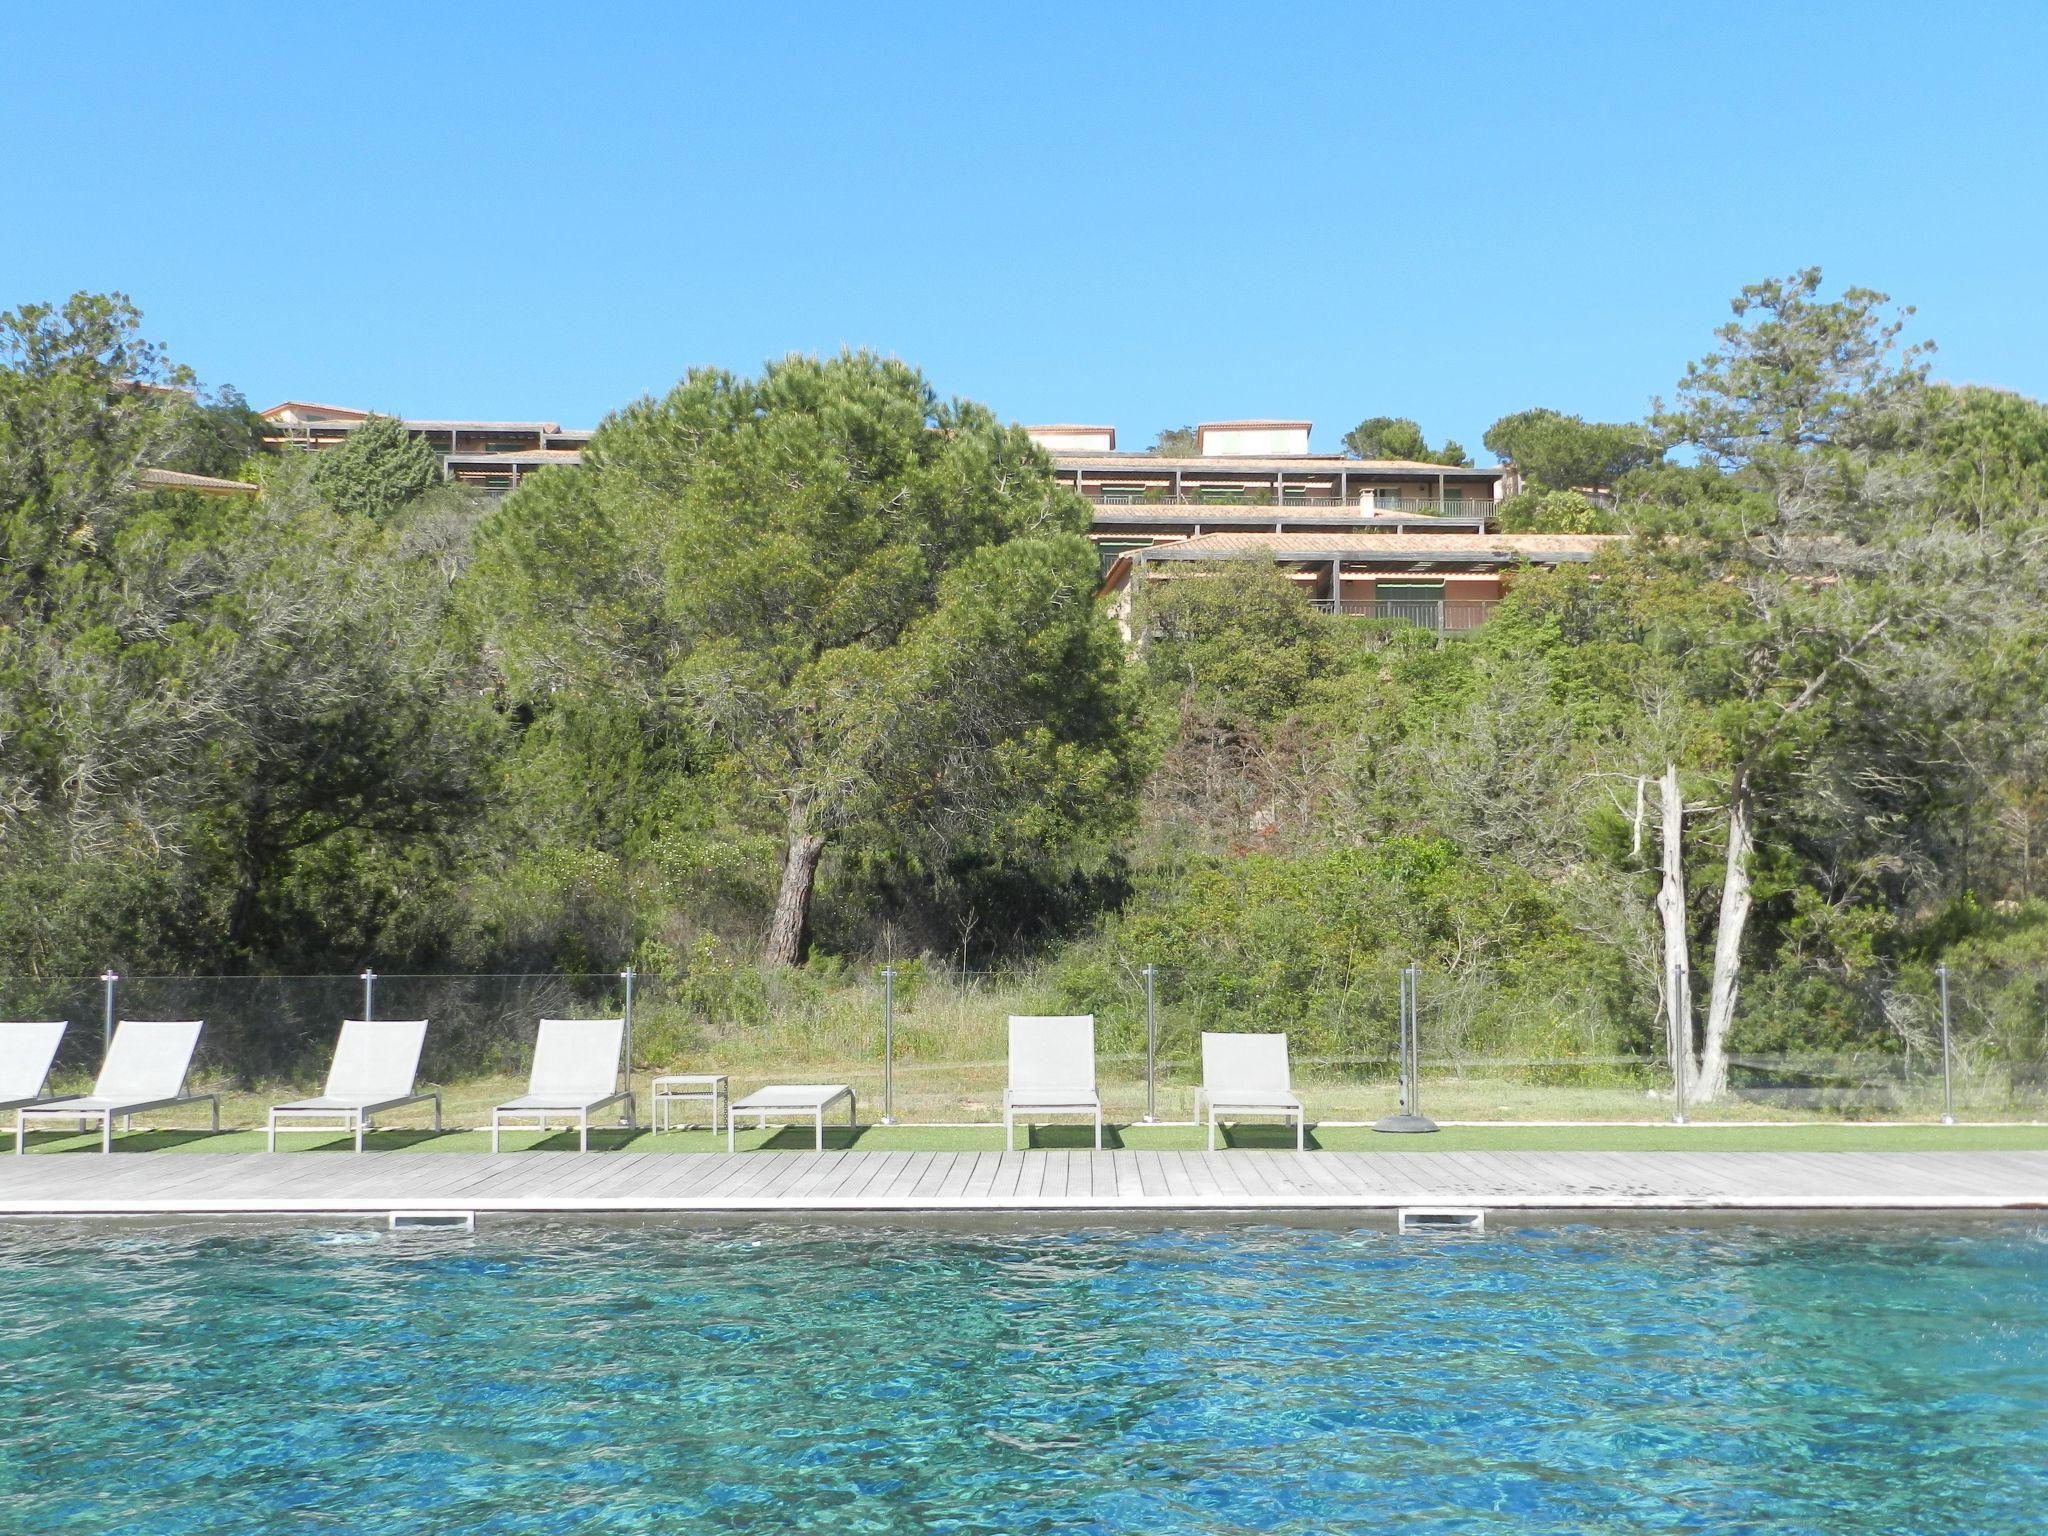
{"points": [[1143, 215]]}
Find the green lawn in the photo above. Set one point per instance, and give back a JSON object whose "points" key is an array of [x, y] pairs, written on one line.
{"points": [[1159, 1138]]}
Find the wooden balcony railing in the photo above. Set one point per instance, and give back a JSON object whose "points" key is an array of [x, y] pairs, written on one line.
{"points": [[1453, 616]]}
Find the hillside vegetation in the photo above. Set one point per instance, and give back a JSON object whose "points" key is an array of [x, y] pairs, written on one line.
{"points": [[801, 673]]}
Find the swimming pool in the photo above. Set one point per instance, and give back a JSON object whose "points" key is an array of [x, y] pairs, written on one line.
{"points": [[559, 1376]]}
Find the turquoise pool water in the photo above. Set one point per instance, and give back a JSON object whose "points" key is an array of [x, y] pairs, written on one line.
{"points": [[556, 1377]]}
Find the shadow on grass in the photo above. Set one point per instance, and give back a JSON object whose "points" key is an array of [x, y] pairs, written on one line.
{"points": [[1262, 1138], [1067, 1138], [611, 1139], [65, 1142], [374, 1141], [804, 1138]]}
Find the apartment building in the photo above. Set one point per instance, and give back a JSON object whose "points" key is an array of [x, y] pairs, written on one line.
{"points": [[1446, 582], [1243, 476], [490, 455], [1258, 476]]}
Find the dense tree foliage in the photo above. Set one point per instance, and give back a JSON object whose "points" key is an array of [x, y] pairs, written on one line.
{"points": [[1557, 452], [1396, 437], [224, 723], [380, 470], [870, 611], [810, 666]]}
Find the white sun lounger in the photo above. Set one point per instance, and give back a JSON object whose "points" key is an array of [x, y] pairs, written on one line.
{"points": [[26, 1051], [575, 1073], [1247, 1075], [375, 1063], [145, 1069], [1052, 1072], [791, 1101]]}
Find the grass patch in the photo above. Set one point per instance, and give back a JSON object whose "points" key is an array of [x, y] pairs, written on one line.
{"points": [[1139, 1138]]}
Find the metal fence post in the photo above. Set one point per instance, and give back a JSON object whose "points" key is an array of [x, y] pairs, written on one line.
{"points": [[1411, 1071], [888, 1045], [1411, 1119], [627, 974], [1151, 975], [1948, 1089], [369, 994], [108, 979]]}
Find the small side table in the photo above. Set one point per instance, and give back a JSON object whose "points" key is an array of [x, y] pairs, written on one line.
{"points": [[686, 1087]]}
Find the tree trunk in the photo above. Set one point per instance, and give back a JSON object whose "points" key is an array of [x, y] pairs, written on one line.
{"points": [[1735, 904], [1677, 978], [789, 929]]}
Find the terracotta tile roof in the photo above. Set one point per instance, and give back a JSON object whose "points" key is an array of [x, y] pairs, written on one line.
{"points": [[1369, 546], [205, 485], [1224, 464], [482, 426], [520, 456], [332, 412], [1333, 517]]}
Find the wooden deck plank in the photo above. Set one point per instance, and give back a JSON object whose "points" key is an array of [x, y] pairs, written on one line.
{"points": [[168, 1183], [1105, 1178], [1053, 1170], [882, 1181], [981, 1179], [954, 1185], [1009, 1180], [932, 1175]]}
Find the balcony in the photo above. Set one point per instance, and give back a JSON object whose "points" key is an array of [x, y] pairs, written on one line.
{"points": [[1254, 499], [1453, 616]]}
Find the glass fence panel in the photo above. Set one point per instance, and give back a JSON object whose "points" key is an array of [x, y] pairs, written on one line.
{"points": [[927, 1044], [484, 1026], [79, 1002], [258, 1029]]}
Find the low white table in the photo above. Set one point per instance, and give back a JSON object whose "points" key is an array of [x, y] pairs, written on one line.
{"points": [[675, 1088], [801, 1101]]}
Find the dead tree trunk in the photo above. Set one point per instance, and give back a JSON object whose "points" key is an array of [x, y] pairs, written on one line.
{"points": [[789, 926], [1736, 900], [1677, 979]]}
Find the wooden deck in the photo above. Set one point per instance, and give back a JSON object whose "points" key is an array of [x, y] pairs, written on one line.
{"points": [[163, 1183]]}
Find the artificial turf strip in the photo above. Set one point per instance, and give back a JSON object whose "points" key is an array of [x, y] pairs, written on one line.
{"points": [[1155, 1138]]}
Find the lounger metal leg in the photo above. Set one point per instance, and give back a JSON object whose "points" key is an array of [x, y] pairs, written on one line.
{"points": [[437, 1114], [494, 1131], [359, 1133], [731, 1133], [1098, 1127], [583, 1132], [107, 1132], [20, 1134], [1301, 1130], [819, 1121], [1009, 1132], [270, 1133]]}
